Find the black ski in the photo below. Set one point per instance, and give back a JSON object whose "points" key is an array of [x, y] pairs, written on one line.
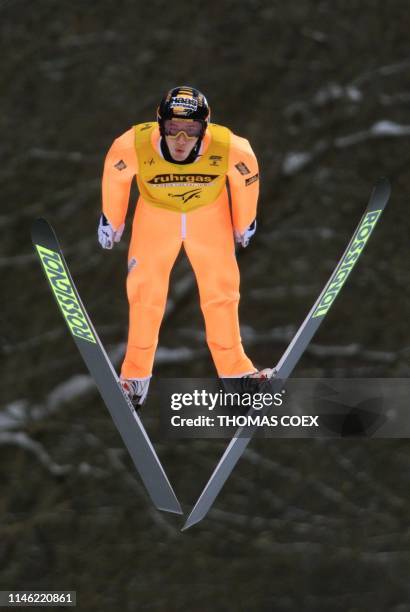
{"points": [[296, 348], [122, 411]]}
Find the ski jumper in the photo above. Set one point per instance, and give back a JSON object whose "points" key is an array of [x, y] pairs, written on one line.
{"points": [[182, 204]]}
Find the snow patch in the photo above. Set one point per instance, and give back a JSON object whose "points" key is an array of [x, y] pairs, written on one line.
{"points": [[389, 128], [294, 162], [173, 355]]}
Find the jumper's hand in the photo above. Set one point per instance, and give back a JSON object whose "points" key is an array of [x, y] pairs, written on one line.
{"points": [[107, 235], [244, 237]]}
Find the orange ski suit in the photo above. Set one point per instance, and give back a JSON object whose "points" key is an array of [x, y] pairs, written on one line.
{"points": [[182, 204]]}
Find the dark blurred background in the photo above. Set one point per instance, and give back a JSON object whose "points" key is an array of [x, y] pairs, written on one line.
{"points": [[322, 91]]}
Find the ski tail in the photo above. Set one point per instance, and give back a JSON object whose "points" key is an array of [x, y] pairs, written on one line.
{"points": [[125, 418], [378, 201]]}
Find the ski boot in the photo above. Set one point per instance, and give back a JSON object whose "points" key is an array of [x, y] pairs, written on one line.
{"points": [[253, 382], [264, 374], [136, 389], [257, 381]]}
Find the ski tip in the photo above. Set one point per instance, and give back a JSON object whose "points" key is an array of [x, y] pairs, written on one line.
{"points": [[38, 223], [384, 180], [384, 184], [38, 228], [43, 233]]}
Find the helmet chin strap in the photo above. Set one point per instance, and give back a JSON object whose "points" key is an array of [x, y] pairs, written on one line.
{"points": [[168, 157]]}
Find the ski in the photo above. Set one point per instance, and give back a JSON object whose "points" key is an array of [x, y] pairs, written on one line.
{"points": [[297, 346], [125, 418]]}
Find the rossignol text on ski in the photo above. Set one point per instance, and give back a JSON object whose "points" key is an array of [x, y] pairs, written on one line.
{"points": [[297, 346], [119, 405]]}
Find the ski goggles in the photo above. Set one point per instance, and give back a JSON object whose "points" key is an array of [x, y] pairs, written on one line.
{"points": [[191, 129]]}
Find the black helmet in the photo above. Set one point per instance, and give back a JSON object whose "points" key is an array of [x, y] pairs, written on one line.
{"points": [[184, 103]]}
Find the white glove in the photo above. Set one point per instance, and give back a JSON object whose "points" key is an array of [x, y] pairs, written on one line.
{"points": [[107, 235], [244, 238]]}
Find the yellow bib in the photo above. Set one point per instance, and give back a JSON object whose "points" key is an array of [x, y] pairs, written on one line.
{"points": [[181, 187]]}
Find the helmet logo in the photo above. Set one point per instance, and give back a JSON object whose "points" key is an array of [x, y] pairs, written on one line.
{"points": [[183, 105]]}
